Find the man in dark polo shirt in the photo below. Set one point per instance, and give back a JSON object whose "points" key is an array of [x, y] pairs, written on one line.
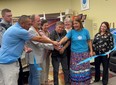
{"points": [[59, 53]]}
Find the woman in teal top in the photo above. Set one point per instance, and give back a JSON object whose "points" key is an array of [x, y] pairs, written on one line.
{"points": [[81, 48]]}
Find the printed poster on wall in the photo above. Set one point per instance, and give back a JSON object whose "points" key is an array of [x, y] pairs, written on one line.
{"points": [[84, 4]]}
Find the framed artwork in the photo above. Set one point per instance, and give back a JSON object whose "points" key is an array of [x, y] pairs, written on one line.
{"points": [[84, 4]]}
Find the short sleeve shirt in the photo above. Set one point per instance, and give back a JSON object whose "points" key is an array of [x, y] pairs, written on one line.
{"points": [[79, 40], [13, 43]]}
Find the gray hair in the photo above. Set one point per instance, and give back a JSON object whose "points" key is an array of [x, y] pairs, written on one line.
{"points": [[59, 23], [33, 17]]}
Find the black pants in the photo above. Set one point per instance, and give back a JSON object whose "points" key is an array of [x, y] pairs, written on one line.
{"points": [[105, 62], [20, 79], [56, 60]]}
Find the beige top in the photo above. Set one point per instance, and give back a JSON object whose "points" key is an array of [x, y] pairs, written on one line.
{"points": [[37, 48]]}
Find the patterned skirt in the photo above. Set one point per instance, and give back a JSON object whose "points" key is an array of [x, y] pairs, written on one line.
{"points": [[79, 73]]}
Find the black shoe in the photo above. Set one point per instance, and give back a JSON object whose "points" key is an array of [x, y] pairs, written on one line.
{"points": [[96, 80], [104, 84]]}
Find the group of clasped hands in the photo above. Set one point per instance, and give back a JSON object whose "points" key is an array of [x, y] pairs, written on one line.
{"points": [[57, 46]]}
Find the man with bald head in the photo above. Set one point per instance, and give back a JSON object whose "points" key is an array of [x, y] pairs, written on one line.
{"points": [[12, 45]]}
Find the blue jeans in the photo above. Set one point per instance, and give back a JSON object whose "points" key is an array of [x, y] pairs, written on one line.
{"points": [[34, 75]]}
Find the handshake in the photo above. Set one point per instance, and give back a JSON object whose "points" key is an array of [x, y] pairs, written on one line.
{"points": [[59, 47]]}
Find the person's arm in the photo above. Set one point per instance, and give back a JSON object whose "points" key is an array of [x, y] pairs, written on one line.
{"points": [[2, 30], [67, 37], [66, 44], [111, 42], [89, 41], [90, 47], [42, 34], [94, 44], [63, 40], [48, 46], [64, 47], [34, 37], [27, 49], [44, 40]]}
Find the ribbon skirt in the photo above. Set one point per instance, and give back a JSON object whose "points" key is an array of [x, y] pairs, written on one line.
{"points": [[79, 73]]}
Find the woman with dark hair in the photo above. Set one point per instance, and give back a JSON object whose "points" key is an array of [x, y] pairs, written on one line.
{"points": [[103, 42], [81, 48]]}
